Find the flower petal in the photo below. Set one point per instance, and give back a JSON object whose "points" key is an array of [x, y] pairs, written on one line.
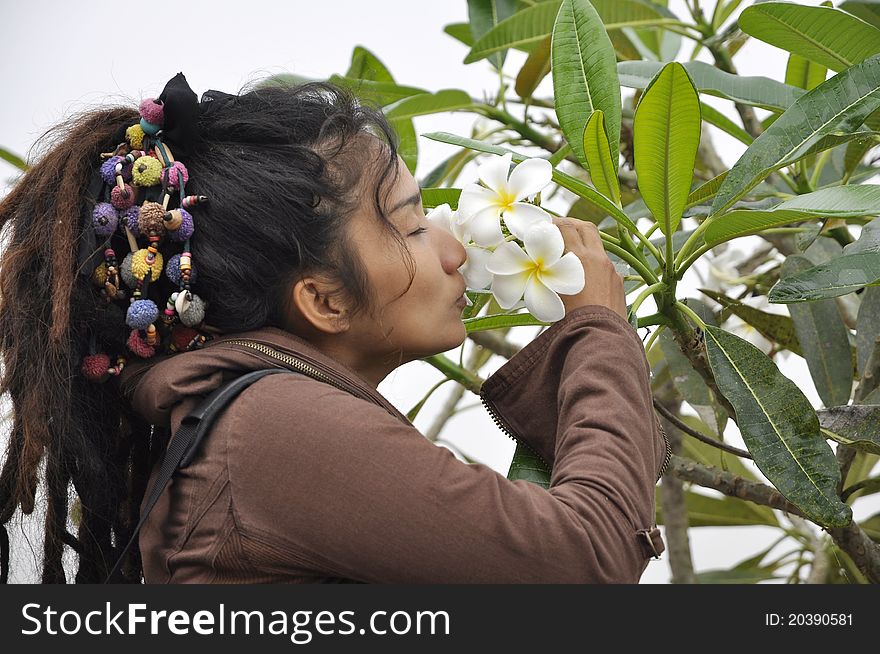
{"points": [[542, 302], [474, 269], [508, 289], [493, 172], [509, 259], [485, 227], [473, 199], [544, 243], [521, 216], [442, 215], [529, 177], [566, 276]]}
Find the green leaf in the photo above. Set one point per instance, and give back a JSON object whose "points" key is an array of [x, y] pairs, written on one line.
{"points": [[365, 65], [534, 70], [723, 10], [666, 136], [434, 197], [755, 91], [803, 73], [428, 103], [824, 340], [526, 465], [408, 147], [711, 456], [839, 105], [772, 326], [584, 75], [377, 93], [499, 320], [576, 186], [867, 325], [526, 28], [867, 10], [603, 171], [13, 159], [705, 511], [834, 202], [484, 15], [460, 32], [779, 427], [837, 277], [714, 117], [857, 425], [825, 35], [705, 191], [691, 386]]}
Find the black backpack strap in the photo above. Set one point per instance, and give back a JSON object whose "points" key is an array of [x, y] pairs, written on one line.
{"points": [[184, 446]]}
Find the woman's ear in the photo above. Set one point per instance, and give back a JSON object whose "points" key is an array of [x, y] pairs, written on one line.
{"points": [[315, 305]]}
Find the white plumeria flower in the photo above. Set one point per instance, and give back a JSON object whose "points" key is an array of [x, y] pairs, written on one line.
{"points": [[474, 270], [538, 274], [444, 216], [483, 207]]}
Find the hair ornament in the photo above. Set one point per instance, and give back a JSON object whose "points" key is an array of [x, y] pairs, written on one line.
{"points": [[144, 211]]}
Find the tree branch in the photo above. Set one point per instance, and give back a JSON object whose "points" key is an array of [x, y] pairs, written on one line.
{"points": [[676, 421], [672, 502]]}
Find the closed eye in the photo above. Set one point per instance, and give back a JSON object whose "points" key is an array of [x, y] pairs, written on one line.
{"points": [[420, 230]]}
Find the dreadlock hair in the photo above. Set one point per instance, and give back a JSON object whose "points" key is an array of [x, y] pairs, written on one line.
{"points": [[281, 167]]}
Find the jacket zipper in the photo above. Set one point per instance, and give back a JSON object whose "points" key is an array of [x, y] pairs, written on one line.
{"points": [[300, 365], [668, 450], [504, 428]]}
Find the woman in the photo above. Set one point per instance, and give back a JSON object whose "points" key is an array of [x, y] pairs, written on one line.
{"points": [[312, 249]]}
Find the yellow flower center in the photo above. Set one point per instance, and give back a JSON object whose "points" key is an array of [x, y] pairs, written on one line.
{"points": [[506, 200], [537, 267]]}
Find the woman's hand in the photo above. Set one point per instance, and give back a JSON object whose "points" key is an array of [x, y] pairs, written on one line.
{"points": [[604, 285]]}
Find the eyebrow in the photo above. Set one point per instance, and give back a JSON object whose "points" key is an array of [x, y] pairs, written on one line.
{"points": [[415, 198]]}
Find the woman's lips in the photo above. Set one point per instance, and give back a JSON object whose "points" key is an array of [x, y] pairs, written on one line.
{"points": [[463, 301]]}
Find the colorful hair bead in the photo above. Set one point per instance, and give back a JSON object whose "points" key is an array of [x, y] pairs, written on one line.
{"points": [[170, 175], [153, 111], [182, 336], [151, 220], [104, 218], [186, 228], [129, 218], [140, 264], [125, 270], [150, 129], [135, 135], [190, 307], [108, 169], [122, 198], [95, 367], [139, 345], [147, 171], [172, 271], [192, 200], [141, 313], [99, 275]]}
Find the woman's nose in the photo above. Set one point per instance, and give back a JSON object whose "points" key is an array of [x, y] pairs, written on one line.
{"points": [[455, 254]]}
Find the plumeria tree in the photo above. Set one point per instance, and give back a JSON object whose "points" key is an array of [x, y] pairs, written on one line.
{"points": [[625, 141]]}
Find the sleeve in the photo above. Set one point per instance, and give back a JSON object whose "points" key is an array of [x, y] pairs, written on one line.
{"points": [[361, 495]]}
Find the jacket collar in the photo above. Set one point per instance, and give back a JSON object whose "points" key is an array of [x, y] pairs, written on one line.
{"points": [[155, 386]]}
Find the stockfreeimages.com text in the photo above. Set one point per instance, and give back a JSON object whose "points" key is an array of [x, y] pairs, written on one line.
{"points": [[299, 625]]}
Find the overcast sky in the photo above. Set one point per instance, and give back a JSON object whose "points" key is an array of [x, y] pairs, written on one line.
{"points": [[62, 57]]}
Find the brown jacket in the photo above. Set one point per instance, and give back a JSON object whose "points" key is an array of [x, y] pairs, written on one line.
{"points": [[300, 481]]}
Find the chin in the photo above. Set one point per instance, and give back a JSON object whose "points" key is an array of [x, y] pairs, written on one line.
{"points": [[449, 339]]}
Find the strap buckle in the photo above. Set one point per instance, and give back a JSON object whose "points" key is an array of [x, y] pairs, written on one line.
{"points": [[652, 542]]}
